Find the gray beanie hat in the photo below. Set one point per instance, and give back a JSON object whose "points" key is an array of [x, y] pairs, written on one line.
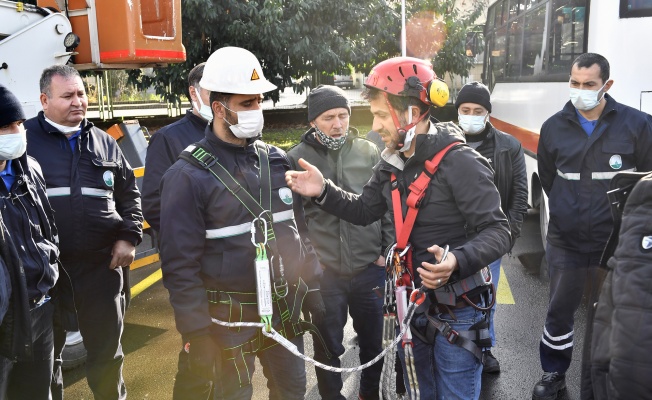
{"points": [[324, 98], [10, 108], [474, 92]]}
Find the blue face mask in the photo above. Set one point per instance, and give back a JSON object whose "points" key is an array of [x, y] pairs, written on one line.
{"points": [[472, 124]]}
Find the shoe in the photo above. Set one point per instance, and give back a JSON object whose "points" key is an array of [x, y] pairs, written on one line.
{"points": [[489, 363], [549, 386]]}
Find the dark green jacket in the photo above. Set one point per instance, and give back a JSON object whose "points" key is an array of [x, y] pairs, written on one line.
{"points": [[342, 246]]}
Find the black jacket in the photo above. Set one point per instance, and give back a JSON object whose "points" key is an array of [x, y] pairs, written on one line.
{"points": [[461, 207], [575, 170], [163, 150], [92, 191], [199, 216], [29, 252], [510, 178], [621, 366]]}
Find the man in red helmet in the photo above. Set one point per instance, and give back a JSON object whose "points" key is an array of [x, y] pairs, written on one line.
{"points": [[459, 207]]}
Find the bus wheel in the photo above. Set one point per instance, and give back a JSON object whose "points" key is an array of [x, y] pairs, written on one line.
{"points": [[74, 354]]}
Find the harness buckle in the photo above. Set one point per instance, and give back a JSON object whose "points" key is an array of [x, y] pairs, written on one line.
{"points": [[206, 159], [450, 334]]}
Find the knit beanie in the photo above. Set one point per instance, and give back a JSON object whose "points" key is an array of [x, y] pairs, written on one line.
{"points": [[324, 98], [10, 108], [474, 92]]}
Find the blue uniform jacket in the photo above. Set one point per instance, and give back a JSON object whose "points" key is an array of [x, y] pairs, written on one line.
{"points": [[163, 150], [575, 170], [92, 190], [29, 252]]}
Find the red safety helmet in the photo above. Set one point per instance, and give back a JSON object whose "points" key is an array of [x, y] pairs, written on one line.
{"points": [[409, 77]]}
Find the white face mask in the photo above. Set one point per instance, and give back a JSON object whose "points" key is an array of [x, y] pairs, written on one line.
{"points": [[250, 123], [472, 124], [584, 99], [63, 128], [13, 145], [203, 110]]}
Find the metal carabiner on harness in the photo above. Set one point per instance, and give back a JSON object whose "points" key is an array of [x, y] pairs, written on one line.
{"points": [[253, 231]]}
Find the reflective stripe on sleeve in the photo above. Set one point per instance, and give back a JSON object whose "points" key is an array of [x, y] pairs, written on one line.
{"points": [[609, 175], [91, 192], [241, 229], [575, 176]]}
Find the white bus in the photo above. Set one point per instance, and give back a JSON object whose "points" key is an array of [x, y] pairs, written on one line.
{"points": [[529, 48]]}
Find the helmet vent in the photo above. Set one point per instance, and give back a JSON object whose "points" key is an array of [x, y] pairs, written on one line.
{"points": [[400, 69], [414, 67], [389, 78]]}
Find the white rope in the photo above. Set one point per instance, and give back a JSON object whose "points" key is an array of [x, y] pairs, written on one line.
{"points": [[294, 350]]}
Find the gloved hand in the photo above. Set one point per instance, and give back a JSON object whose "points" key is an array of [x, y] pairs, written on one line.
{"points": [[313, 307], [201, 355]]}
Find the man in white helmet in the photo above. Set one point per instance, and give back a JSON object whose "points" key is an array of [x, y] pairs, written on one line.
{"points": [[231, 246]]}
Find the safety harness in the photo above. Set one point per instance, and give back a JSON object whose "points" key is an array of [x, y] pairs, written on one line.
{"points": [[271, 291], [399, 282]]}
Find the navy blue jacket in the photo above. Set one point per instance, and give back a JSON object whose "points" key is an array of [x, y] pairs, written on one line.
{"points": [[29, 252], [92, 190], [205, 237], [575, 170], [163, 150]]}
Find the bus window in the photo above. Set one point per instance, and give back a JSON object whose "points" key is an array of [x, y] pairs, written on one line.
{"points": [[515, 48], [534, 50], [497, 54], [501, 13], [635, 8], [567, 34]]}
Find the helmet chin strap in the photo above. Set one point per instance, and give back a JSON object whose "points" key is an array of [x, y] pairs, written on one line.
{"points": [[402, 130]]}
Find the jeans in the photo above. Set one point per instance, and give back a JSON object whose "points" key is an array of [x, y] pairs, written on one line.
{"points": [[28, 380], [494, 267], [446, 371], [365, 306]]}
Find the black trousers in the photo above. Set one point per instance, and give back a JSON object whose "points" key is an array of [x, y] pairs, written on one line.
{"points": [[30, 380], [100, 302]]}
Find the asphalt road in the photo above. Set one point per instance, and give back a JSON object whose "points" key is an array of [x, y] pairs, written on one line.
{"points": [[151, 342]]}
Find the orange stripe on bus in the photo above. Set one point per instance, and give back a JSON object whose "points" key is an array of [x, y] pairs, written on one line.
{"points": [[126, 54], [529, 139]]}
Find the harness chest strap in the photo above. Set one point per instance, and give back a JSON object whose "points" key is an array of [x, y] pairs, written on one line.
{"points": [[417, 191]]}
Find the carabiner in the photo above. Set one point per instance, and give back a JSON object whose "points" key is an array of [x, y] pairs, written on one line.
{"points": [[253, 231]]}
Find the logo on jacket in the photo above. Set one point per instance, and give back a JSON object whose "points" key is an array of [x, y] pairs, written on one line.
{"points": [[616, 162], [647, 242], [108, 178], [286, 195]]}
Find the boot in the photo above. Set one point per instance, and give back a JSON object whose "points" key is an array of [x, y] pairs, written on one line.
{"points": [[489, 363], [549, 386]]}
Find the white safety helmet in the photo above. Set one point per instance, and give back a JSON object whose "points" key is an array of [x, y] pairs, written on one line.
{"points": [[234, 70]]}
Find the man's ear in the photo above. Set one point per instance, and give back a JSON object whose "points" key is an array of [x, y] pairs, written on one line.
{"points": [[608, 85], [193, 93], [44, 101], [416, 112]]}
